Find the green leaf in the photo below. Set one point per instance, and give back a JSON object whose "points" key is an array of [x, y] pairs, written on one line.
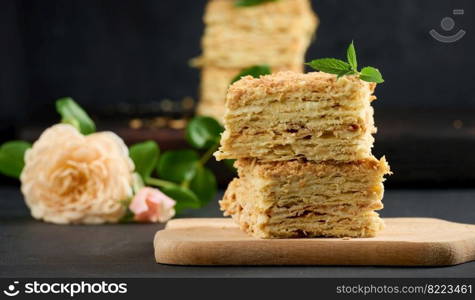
{"points": [[203, 132], [344, 73], [254, 71], [204, 185], [145, 156], [137, 182], [128, 217], [73, 114], [330, 65], [351, 57], [371, 74], [12, 158], [230, 164], [341, 68], [242, 3], [73, 122], [178, 166], [184, 197]]}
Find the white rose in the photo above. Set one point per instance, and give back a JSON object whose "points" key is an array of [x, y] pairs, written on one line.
{"points": [[72, 178]]}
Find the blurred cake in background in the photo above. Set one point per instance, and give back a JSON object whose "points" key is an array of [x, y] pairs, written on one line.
{"points": [[276, 34]]}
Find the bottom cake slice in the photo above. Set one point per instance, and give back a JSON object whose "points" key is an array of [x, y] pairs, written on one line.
{"points": [[307, 199]]}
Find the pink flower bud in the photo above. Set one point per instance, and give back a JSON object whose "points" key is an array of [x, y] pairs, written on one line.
{"points": [[151, 205]]}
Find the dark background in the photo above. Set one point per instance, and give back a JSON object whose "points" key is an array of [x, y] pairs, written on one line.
{"points": [[119, 59]]}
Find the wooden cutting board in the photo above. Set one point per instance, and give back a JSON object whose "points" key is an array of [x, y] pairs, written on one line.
{"points": [[404, 242]]}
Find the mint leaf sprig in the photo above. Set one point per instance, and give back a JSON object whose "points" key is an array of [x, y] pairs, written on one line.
{"points": [[244, 3], [349, 67]]}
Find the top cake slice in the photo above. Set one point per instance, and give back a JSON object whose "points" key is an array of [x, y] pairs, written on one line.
{"points": [[289, 115]]}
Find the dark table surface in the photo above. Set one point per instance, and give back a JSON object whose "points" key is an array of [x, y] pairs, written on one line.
{"points": [[30, 248]]}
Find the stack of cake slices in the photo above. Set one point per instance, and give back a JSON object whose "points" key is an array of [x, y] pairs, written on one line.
{"points": [[276, 34], [303, 148]]}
